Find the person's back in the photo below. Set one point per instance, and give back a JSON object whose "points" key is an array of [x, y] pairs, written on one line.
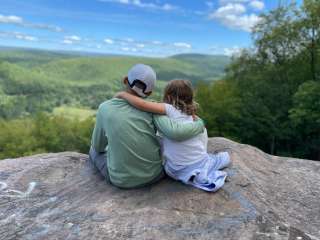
{"points": [[133, 150], [187, 161], [124, 145], [184, 152]]}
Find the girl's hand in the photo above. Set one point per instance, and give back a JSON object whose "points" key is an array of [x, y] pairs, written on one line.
{"points": [[194, 116], [119, 94]]}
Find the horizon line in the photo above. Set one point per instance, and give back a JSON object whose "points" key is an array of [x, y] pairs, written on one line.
{"points": [[86, 52]]}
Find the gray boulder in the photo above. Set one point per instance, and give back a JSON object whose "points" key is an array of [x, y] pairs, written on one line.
{"points": [[58, 196]]}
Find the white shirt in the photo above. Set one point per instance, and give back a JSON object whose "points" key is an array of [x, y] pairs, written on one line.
{"points": [[185, 152]]}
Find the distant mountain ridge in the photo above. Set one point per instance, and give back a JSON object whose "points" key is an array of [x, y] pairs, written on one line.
{"points": [[198, 67], [207, 64], [41, 80]]}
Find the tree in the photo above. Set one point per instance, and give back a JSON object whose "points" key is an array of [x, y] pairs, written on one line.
{"points": [[219, 107], [265, 81], [308, 27], [305, 116]]}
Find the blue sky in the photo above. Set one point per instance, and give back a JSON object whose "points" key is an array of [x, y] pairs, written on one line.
{"points": [[131, 27]]}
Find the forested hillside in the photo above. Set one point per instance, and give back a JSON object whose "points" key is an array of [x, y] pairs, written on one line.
{"points": [[33, 80], [270, 96], [48, 99], [211, 67]]}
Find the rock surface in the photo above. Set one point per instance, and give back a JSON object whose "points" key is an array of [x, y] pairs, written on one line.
{"points": [[58, 196]]}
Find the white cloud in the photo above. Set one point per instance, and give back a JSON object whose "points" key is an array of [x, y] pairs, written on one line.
{"points": [[168, 7], [258, 5], [233, 16], [222, 2], [16, 20], [129, 40], [127, 44], [244, 22], [73, 38], [66, 41], [229, 9], [51, 28], [25, 37], [11, 19], [19, 36], [108, 41], [132, 46], [128, 49], [235, 50], [182, 45], [140, 4]]}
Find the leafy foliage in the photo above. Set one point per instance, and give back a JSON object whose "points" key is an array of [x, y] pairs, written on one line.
{"points": [[273, 89], [219, 107], [44, 133], [305, 117]]}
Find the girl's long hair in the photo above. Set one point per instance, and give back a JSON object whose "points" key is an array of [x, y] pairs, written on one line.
{"points": [[179, 93]]}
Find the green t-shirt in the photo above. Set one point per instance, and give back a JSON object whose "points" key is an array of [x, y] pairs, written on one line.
{"points": [[129, 137]]}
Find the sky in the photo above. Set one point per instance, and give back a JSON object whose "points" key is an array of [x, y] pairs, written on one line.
{"points": [[156, 28]]}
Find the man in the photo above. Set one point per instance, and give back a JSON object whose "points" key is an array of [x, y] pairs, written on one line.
{"points": [[124, 146]]}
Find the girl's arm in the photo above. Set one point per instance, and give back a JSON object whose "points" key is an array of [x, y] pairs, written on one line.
{"points": [[142, 104]]}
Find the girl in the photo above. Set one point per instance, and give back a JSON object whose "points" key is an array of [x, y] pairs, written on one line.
{"points": [[187, 161]]}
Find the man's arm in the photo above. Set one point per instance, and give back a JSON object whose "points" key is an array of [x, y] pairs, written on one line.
{"points": [[178, 131], [99, 140]]}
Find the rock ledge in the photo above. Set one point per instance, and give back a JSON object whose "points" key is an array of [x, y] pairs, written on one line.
{"points": [[58, 196]]}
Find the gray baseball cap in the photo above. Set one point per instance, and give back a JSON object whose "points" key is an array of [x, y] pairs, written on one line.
{"points": [[142, 79]]}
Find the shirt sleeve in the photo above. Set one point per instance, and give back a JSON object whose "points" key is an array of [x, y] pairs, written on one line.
{"points": [[99, 139], [169, 109], [204, 139], [175, 130]]}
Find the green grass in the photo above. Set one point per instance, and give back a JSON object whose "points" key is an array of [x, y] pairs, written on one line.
{"points": [[73, 112]]}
